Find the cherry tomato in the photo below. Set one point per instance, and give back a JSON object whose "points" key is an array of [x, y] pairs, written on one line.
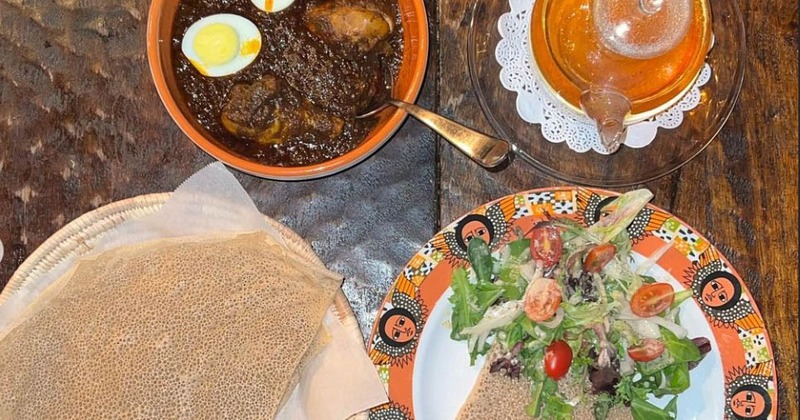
{"points": [[598, 257], [542, 299], [649, 350], [557, 359], [652, 299], [546, 245]]}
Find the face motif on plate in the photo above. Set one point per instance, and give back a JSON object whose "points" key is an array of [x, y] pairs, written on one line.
{"points": [[492, 227], [749, 402], [719, 293], [746, 393], [720, 290], [475, 228], [398, 327]]}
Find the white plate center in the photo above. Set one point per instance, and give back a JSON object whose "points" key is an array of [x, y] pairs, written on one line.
{"points": [[443, 377]]}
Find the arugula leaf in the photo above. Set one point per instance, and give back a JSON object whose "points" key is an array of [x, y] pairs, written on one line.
{"points": [[527, 325], [602, 406], [487, 294], [509, 277], [480, 257], [534, 408], [546, 403], [556, 408], [643, 410], [581, 364], [532, 366], [628, 390], [518, 247], [514, 334], [479, 350], [681, 349], [464, 301]]}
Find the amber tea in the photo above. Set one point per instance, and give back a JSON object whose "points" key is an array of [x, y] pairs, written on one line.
{"points": [[573, 55]]}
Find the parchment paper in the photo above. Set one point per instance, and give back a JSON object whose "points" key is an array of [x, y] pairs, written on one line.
{"points": [[339, 382]]}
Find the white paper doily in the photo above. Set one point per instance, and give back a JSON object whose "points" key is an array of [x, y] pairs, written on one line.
{"points": [[559, 123]]}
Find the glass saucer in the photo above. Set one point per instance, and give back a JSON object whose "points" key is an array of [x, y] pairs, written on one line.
{"points": [[671, 149]]}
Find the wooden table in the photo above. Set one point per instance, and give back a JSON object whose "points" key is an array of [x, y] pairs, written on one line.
{"points": [[81, 126]]}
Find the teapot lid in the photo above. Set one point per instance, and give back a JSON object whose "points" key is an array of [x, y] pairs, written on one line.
{"points": [[641, 29], [612, 59]]}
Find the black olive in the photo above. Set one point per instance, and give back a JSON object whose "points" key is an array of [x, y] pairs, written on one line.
{"points": [[704, 346]]}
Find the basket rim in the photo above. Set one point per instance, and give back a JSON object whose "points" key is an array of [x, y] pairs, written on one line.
{"points": [[79, 236]]}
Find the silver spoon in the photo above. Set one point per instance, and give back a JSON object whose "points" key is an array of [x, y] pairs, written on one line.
{"points": [[487, 151]]}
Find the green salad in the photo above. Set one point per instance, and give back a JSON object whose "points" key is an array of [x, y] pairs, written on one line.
{"points": [[566, 305]]}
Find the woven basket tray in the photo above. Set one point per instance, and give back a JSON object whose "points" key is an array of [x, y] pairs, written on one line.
{"points": [[78, 238]]}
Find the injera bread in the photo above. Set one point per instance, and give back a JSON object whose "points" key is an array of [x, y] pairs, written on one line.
{"points": [[496, 396], [168, 329]]}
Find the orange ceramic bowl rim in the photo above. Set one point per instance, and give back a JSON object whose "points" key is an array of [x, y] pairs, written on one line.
{"points": [[374, 140]]}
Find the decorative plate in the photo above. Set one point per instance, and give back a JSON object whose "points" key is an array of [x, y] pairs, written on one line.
{"points": [[428, 375]]}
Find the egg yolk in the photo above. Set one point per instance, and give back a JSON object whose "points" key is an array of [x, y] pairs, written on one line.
{"points": [[251, 47], [216, 44]]}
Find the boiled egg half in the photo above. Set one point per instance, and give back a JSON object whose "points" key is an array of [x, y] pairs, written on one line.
{"points": [[222, 44], [271, 6]]}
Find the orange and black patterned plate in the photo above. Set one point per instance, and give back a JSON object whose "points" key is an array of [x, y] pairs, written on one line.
{"points": [[428, 376]]}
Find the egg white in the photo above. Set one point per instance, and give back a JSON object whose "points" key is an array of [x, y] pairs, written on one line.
{"points": [[271, 6], [247, 33]]}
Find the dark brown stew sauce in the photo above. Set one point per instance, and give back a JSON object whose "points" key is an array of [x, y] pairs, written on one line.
{"points": [[337, 78]]}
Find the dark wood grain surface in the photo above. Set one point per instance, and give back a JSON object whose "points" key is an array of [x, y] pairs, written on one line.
{"points": [[81, 126]]}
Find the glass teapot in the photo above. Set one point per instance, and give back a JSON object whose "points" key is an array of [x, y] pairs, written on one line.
{"points": [[619, 61]]}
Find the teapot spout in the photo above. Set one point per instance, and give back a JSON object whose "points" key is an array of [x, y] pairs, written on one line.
{"points": [[608, 109]]}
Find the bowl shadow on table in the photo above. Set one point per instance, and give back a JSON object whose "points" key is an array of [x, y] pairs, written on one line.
{"points": [[671, 149]]}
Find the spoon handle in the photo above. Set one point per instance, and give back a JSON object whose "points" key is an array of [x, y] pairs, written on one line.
{"points": [[487, 151]]}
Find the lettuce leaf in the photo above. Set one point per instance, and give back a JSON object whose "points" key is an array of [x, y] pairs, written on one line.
{"points": [[466, 312], [681, 349], [643, 410], [622, 212], [480, 257]]}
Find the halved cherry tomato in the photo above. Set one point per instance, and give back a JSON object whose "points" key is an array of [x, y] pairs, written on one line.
{"points": [[649, 350], [542, 299], [652, 299], [557, 359], [546, 244], [598, 257]]}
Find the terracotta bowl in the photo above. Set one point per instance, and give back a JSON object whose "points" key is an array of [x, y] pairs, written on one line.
{"points": [[406, 88]]}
